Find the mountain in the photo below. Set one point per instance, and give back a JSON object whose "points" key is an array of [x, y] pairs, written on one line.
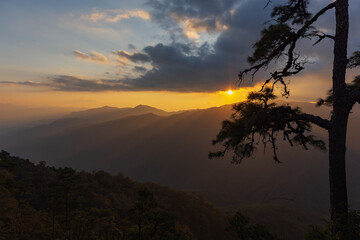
{"points": [[107, 113], [80, 119], [172, 150]]}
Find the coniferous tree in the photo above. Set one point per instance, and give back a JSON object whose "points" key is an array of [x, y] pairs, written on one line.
{"points": [[293, 23]]}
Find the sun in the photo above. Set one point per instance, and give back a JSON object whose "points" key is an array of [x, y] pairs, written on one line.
{"points": [[230, 92]]}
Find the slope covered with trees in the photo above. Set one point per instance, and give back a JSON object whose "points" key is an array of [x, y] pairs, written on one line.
{"points": [[41, 202]]}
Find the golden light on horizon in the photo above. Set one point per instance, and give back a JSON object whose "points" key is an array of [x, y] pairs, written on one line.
{"points": [[165, 100]]}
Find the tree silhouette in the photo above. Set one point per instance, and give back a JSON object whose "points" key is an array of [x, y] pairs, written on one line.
{"points": [[61, 203], [153, 223], [293, 22], [242, 229]]}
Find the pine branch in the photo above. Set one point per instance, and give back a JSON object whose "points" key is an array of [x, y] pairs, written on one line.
{"points": [[354, 60], [266, 120], [353, 98], [279, 51], [323, 123], [353, 95]]}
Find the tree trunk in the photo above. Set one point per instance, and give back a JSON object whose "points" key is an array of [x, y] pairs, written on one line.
{"points": [[53, 225], [337, 175], [337, 132], [67, 214]]}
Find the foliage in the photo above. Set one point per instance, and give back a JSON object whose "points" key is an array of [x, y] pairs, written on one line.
{"points": [[271, 38], [41, 202], [329, 100], [258, 121], [354, 60], [294, 11], [240, 226], [324, 233]]}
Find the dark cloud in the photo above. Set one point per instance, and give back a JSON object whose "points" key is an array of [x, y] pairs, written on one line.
{"points": [[185, 67], [70, 83], [209, 25], [201, 15], [210, 68], [75, 84], [131, 46], [139, 69], [134, 57], [25, 83], [193, 8]]}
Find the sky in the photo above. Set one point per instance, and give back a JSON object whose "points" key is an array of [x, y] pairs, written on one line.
{"points": [[171, 54]]}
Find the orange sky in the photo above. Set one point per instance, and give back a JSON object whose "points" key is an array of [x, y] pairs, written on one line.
{"points": [[166, 100], [170, 101]]}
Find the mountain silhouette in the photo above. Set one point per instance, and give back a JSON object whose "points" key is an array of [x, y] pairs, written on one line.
{"points": [[149, 144], [107, 113]]}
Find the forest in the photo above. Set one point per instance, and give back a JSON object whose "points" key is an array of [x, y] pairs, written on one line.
{"points": [[42, 202]]}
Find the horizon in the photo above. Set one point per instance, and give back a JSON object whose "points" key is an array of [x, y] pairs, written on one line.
{"points": [[83, 108]]}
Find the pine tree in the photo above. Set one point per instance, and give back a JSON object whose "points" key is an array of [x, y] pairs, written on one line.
{"points": [[293, 23]]}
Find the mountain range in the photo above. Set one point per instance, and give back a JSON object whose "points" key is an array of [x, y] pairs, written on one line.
{"points": [[151, 145]]}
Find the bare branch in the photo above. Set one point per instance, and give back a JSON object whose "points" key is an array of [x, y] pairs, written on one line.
{"points": [[322, 36], [268, 3], [273, 145]]}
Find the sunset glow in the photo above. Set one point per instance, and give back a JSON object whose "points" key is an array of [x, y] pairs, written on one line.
{"points": [[170, 101], [179, 119], [120, 54]]}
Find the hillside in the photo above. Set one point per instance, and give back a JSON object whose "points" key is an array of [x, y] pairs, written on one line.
{"points": [[41, 202], [172, 150]]}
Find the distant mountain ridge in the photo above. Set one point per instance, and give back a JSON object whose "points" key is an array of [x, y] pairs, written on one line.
{"points": [[81, 119], [172, 150], [107, 113]]}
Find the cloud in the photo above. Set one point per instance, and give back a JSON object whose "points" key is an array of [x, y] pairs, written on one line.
{"points": [[134, 57], [75, 84], [187, 19], [177, 68], [192, 9], [192, 27], [25, 83], [92, 57], [139, 69], [115, 15], [131, 46], [181, 65], [238, 23]]}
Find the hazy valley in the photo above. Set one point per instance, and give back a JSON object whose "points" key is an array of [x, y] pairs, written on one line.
{"points": [[151, 145]]}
